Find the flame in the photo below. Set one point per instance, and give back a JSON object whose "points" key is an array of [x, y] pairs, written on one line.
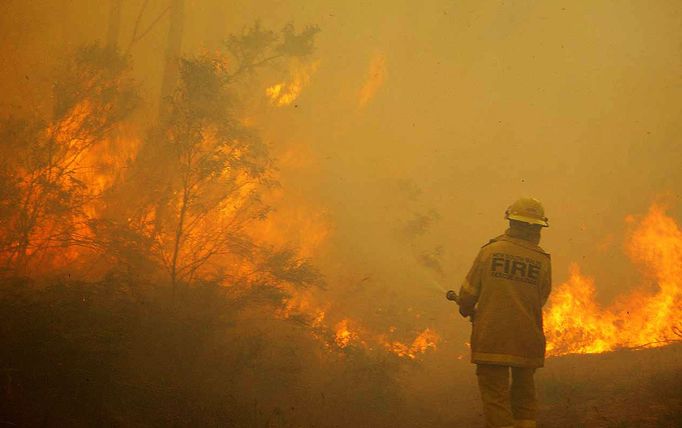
{"points": [[427, 339], [344, 336], [575, 323], [84, 164], [348, 333], [303, 303], [284, 93], [293, 221], [375, 79], [105, 163]]}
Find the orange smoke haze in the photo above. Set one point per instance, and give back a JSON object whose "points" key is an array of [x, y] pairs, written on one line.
{"points": [[248, 213], [577, 106]]}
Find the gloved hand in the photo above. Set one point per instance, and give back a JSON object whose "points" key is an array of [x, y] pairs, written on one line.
{"points": [[465, 314]]}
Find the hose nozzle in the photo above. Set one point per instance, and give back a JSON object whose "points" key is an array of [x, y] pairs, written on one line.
{"points": [[452, 295]]}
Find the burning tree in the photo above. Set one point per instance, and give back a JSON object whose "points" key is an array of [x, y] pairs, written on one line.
{"points": [[189, 208], [197, 182], [215, 167], [43, 165], [192, 191]]}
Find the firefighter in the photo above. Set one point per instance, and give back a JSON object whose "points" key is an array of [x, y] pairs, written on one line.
{"points": [[504, 293]]}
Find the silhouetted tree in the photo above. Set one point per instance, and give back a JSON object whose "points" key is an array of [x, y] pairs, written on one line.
{"points": [[256, 47]]}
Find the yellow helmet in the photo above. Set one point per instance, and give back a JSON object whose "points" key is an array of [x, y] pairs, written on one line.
{"points": [[527, 210]]}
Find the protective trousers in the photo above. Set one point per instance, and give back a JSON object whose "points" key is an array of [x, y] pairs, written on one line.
{"points": [[504, 408]]}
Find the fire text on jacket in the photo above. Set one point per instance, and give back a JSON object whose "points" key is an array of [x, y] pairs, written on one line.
{"points": [[515, 268]]}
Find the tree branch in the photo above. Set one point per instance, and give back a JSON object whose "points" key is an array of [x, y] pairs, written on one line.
{"points": [[137, 37]]}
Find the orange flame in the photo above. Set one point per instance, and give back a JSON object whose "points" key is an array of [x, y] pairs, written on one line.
{"points": [[84, 164], [344, 336], [349, 333], [284, 93], [575, 323], [375, 79], [427, 339]]}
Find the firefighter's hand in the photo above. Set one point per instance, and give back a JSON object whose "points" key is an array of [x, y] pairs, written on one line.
{"points": [[465, 313]]}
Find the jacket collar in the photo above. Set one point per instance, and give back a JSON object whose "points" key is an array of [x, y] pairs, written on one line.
{"points": [[520, 241], [525, 234]]}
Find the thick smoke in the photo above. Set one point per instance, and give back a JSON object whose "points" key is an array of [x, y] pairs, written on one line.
{"points": [[393, 148]]}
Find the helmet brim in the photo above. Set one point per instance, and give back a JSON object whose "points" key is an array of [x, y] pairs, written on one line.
{"points": [[530, 220]]}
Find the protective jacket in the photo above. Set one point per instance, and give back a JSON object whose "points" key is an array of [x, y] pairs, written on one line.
{"points": [[505, 290]]}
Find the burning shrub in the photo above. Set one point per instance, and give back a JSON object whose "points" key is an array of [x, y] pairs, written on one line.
{"points": [[574, 323]]}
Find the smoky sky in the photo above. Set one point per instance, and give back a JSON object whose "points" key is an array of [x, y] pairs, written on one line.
{"points": [[467, 105]]}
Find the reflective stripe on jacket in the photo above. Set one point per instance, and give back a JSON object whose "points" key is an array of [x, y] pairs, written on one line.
{"points": [[507, 285]]}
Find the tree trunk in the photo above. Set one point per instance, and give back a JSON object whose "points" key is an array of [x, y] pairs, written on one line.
{"points": [[173, 47], [179, 235], [114, 27]]}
